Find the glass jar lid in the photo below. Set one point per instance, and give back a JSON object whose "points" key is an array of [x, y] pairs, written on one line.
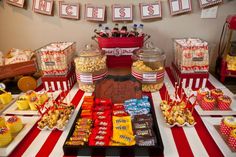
{"points": [[89, 51], [150, 53]]}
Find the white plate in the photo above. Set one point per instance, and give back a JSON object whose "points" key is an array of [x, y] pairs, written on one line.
{"points": [[209, 123], [13, 109], [28, 124], [230, 112], [14, 97]]}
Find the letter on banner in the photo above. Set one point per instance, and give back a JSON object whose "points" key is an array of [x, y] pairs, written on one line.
{"points": [[122, 12], [180, 6], [69, 10], [150, 10], [94, 12], [43, 6], [18, 3], [208, 3]]}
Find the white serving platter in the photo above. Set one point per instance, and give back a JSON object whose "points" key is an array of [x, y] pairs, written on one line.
{"points": [[13, 109], [230, 112], [28, 123], [210, 123]]}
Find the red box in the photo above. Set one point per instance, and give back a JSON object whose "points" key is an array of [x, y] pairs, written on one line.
{"points": [[120, 50], [193, 80], [58, 82]]}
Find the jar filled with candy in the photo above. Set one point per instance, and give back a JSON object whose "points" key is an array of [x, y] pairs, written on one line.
{"points": [[149, 67], [90, 67]]}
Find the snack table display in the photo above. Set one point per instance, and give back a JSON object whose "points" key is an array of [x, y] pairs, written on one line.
{"points": [[195, 140]]}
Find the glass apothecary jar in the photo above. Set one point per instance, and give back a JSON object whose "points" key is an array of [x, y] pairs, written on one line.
{"points": [[90, 67], [149, 67]]}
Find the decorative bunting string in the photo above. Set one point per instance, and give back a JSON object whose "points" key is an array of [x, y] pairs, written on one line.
{"points": [[120, 12]]}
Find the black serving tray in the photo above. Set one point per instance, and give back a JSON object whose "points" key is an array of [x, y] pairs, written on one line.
{"points": [[135, 150]]}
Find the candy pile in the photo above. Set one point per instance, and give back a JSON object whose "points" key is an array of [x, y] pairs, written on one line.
{"points": [[143, 130], [81, 133], [122, 131], [213, 99], [102, 128], [104, 124], [137, 106]]}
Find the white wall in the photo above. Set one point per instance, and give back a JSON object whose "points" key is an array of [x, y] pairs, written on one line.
{"points": [[21, 28]]}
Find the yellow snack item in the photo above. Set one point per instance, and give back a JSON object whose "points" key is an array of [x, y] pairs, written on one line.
{"points": [[5, 98], [14, 124], [5, 136], [124, 138], [23, 102]]}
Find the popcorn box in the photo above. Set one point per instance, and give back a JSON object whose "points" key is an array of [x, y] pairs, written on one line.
{"points": [[120, 50], [57, 82], [191, 55], [192, 80], [56, 58]]}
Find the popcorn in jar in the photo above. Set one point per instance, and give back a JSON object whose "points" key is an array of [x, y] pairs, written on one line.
{"points": [[90, 67], [149, 67]]}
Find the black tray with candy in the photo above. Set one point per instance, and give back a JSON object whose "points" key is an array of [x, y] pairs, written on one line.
{"points": [[148, 145]]}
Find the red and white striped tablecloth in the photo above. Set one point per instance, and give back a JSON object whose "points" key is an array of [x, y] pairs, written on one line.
{"points": [[186, 141]]}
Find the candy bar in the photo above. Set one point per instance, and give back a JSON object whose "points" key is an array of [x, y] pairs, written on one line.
{"points": [[103, 101], [121, 120], [98, 142], [80, 133], [118, 107], [79, 138], [144, 132], [124, 138], [102, 122], [142, 125], [82, 130], [86, 114], [119, 113], [101, 108], [75, 143], [88, 98], [145, 141], [144, 117]]}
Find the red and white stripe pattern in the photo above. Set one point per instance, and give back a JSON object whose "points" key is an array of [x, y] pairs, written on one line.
{"points": [[90, 78], [178, 141], [207, 105], [142, 77]]}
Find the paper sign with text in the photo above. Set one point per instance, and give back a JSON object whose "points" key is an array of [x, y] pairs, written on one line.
{"points": [[180, 6], [18, 3], [150, 10], [94, 12], [122, 12], [43, 6], [208, 3], [68, 10]]}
